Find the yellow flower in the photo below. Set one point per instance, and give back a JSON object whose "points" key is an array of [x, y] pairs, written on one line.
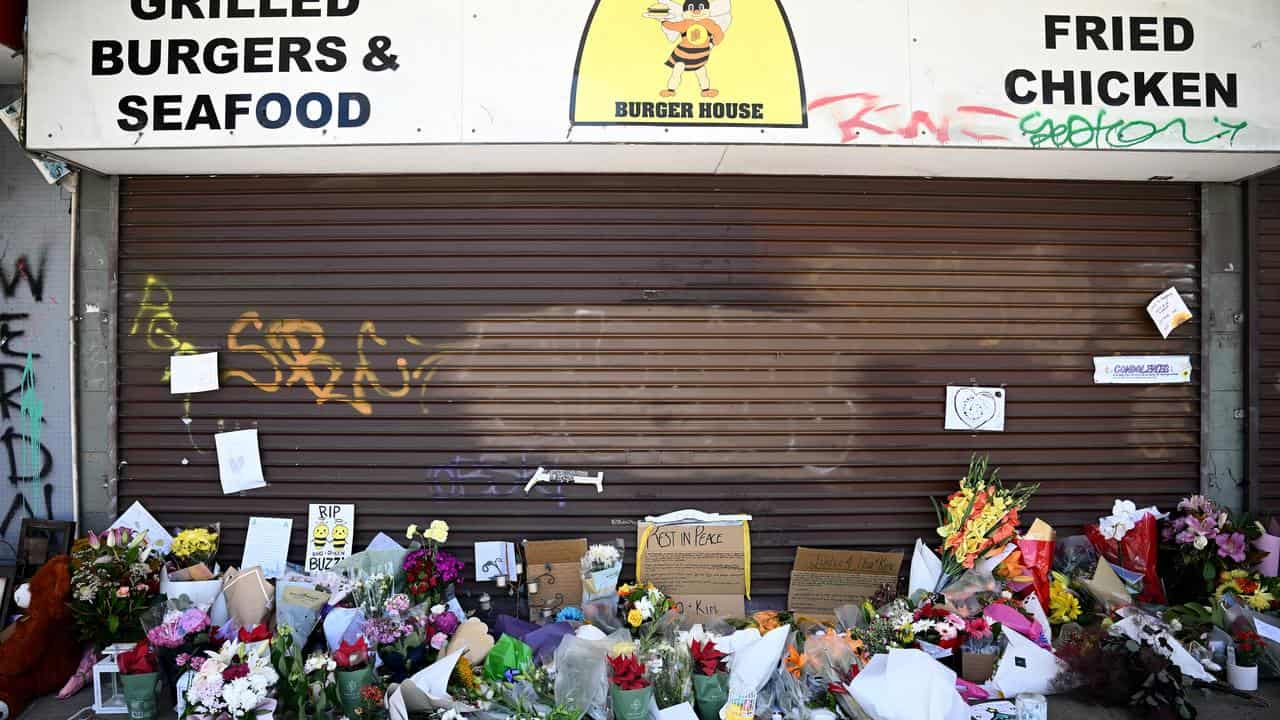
{"points": [[622, 649], [1261, 600], [438, 532], [1064, 606], [634, 618], [411, 532]]}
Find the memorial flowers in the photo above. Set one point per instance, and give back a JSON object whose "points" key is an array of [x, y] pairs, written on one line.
{"points": [[195, 546], [428, 569], [234, 682], [978, 520], [642, 606], [1207, 540], [114, 576]]}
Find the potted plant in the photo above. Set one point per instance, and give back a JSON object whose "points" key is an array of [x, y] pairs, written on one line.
{"points": [[710, 679], [140, 678], [1242, 670], [629, 691], [353, 673]]}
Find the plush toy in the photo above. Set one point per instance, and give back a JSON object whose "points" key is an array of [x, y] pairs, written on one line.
{"points": [[41, 651]]}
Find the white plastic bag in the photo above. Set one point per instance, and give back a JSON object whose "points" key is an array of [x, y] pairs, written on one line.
{"points": [[908, 685]]}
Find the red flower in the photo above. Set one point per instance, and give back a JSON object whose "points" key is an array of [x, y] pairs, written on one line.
{"points": [[707, 658], [628, 673], [258, 634], [138, 661], [235, 672], [837, 689], [372, 694], [351, 656]]}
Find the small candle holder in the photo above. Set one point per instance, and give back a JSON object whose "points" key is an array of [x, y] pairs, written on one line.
{"points": [[547, 613], [533, 587], [500, 581]]}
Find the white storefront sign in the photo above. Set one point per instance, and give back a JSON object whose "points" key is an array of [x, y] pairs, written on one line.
{"points": [[1143, 370], [1176, 75]]}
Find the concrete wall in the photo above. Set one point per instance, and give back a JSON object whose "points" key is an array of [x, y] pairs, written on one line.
{"points": [[35, 421], [1222, 281]]}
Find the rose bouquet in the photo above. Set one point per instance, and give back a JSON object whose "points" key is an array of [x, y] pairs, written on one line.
{"points": [[114, 577], [1205, 540], [978, 520], [601, 567], [428, 570], [643, 607], [233, 683]]}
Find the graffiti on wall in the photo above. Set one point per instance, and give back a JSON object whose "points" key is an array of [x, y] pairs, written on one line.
{"points": [[271, 354], [864, 117], [28, 487]]}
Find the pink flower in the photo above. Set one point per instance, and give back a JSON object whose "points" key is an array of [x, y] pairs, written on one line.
{"points": [[182, 660], [197, 662], [439, 640], [978, 628], [1231, 546], [122, 591]]}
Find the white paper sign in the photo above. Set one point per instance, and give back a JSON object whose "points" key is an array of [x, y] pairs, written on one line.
{"points": [[975, 409], [193, 373], [267, 545], [1267, 630], [1142, 370], [138, 518], [239, 464], [495, 559], [330, 530], [1168, 311]]}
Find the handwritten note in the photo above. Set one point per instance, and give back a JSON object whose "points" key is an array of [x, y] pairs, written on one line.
{"points": [[975, 409], [1168, 311], [139, 519], [239, 462], [266, 545], [702, 567], [193, 373], [823, 580]]}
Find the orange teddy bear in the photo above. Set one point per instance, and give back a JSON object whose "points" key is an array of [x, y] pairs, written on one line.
{"points": [[41, 650]]}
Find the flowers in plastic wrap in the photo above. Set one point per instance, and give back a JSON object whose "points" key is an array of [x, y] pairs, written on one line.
{"points": [[642, 607], [601, 567], [938, 626], [195, 546], [233, 683], [370, 592], [1257, 592], [670, 669], [754, 664], [978, 520], [177, 632], [1206, 542], [353, 671], [306, 686], [113, 578], [428, 569], [1064, 605], [630, 690]]}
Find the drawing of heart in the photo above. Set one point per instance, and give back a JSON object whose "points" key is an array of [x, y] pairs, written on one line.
{"points": [[236, 464], [975, 408]]}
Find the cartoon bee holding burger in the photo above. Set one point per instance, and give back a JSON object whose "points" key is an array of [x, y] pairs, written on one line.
{"points": [[697, 27]]}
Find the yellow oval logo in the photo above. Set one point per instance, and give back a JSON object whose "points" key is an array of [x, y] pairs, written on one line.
{"points": [[698, 35]]}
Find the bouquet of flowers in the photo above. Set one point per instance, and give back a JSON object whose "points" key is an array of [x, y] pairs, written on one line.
{"points": [[601, 567], [643, 606], [140, 678], [710, 678], [884, 628], [179, 631], [193, 547], [1064, 604], [1260, 593], [232, 683], [1204, 540], [114, 577], [629, 688], [428, 569], [938, 626], [1128, 539], [305, 687], [370, 593], [978, 520]]}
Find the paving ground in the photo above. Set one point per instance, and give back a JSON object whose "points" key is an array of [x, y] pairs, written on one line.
{"points": [[1211, 707]]}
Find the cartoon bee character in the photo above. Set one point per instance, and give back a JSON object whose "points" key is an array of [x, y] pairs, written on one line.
{"points": [[320, 537], [341, 533], [696, 27]]}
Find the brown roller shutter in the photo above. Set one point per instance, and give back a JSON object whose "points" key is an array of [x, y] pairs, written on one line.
{"points": [[776, 346], [1265, 341]]}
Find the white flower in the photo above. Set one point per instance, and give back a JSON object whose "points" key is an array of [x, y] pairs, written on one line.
{"points": [[437, 610], [1124, 508], [645, 606], [1201, 542], [602, 557], [438, 532], [920, 626]]}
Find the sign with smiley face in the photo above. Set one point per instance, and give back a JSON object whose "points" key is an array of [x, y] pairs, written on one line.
{"points": [[330, 532]]}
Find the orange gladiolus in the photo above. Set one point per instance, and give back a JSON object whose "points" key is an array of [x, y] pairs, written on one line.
{"points": [[794, 662]]}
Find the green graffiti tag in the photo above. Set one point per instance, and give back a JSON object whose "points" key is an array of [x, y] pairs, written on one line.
{"points": [[1078, 131], [31, 412]]}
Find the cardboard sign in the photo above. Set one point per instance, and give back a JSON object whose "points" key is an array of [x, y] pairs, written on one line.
{"points": [[556, 566], [700, 566], [823, 580], [330, 530]]}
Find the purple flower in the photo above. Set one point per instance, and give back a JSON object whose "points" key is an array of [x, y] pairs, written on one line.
{"points": [[1199, 528], [166, 636], [446, 623], [197, 663], [448, 567], [182, 660], [383, 630], [1231, 546], [397, 604], [413, 559], [1197, 505], [193, 620]]}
